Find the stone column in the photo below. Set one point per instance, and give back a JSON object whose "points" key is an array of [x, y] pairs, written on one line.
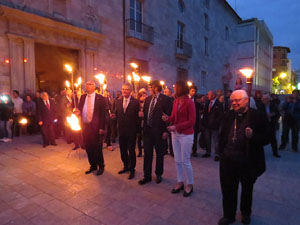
{"points": [[82, 66], [29, 66], [16, 53]]}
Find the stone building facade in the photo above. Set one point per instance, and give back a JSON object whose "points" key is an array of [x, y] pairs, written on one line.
{"points": [[173, 39], [255, 50]]}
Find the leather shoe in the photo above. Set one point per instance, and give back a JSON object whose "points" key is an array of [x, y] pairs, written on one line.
{"points": [[54, 144], [45, 145], [246, 219], [158, 179], [100, 171], [225, 221], [176, 190], [90, 170], [144, 181], [195, 154], [131, 175], [140, 155], [76, 147], [187, 194], [124, 170], [206, 155], [282, 147], [276, 155]]}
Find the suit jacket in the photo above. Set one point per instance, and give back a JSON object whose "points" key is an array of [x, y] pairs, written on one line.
{"points": [[128, 122], [212, 120], [163, 105], [98, 120], [258, 122], [273, 120], [44, 114]]}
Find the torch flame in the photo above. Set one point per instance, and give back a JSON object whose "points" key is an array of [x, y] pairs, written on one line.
{"points": [[23, 121], [134, 65], [136, 77], [162, 83], [73, 122], [189, 83], [247, 72], [68, 68], [76, 85], [68, 83], [129, 78], [100, 77], [146, 78], [104, 86], [79, 81]]}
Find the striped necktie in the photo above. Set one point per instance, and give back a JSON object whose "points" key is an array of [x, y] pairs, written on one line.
{"points": [[151, 110]]}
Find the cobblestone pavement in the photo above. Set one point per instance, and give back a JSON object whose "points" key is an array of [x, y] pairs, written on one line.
{"points": [[43, 186]]}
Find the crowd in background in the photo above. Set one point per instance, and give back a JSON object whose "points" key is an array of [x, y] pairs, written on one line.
{"points": [[210, 109]]}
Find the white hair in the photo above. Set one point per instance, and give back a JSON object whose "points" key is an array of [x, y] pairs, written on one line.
{"points": [[240, 93]]}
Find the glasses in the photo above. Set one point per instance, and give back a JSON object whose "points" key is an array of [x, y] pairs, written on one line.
{"points": [[236, 100]]}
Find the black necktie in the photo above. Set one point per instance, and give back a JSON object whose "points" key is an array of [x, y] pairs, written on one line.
{"points": [[150, 117]]}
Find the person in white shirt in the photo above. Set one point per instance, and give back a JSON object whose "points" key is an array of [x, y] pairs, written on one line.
{"points": [[17, 113]]}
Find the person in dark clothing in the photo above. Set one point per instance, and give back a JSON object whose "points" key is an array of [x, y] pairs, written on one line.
{"points": [[127, 110], [6, 118], [242, 160], [142, 95], [155, 130], [272, 112], [29, 111], [168, 142], [212, 117], [290, 120], [46, 116], [110, 135], [257, 99]]}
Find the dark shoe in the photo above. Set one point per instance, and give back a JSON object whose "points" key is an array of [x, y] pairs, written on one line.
{"points": [[131, 175], [282, 147], [76, 147], [45, 145], [246, 219], [276, 155], [195, 154], [172, 154], [295, 150], [90, 170], [140, 155], [54, 144], [187, 194], [158, 179], [100, 171], [124, 170], [217, 158], [144, 181], [177, 190], [225, 221], [69, 142], [206, 155]]}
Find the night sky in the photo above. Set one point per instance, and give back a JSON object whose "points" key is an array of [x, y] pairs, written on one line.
{"points": [[281, 16]]}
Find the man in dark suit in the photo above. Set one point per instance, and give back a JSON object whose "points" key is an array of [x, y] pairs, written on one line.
{"points": [[92, 108], [272, 112], [66, 109], [127, 109], [46, 117], [242, 160], [155, 130], [212, 116]]}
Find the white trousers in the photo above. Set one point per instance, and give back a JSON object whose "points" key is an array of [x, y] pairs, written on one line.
{"points": [[182, 147]]}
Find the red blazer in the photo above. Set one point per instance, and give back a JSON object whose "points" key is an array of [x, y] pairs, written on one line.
{"points": [[183, 118]]}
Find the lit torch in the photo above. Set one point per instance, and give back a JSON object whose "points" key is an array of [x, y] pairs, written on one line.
{"points": [[146, 79], [68, 84], [73, 122], [101, 78], [23, 122]]}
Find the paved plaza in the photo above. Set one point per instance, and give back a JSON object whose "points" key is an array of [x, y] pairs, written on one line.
{"points": [[45, 187]]}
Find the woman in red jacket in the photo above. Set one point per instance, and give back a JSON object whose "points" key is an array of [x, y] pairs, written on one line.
{"points": [[182, 121]]}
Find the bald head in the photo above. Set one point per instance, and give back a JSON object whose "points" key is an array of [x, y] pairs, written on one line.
{"points": [[239, 101]]}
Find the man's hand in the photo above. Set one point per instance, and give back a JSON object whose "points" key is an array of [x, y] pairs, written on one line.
{"points": [[171, 128], [248, 132], [101, 132], [165, 136], [165, 117], [141, 114], [41, 123], [112, 116]]}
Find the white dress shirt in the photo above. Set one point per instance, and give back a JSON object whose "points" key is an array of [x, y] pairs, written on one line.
{"points": [[85, 106], [17, 105], [126, 103]]}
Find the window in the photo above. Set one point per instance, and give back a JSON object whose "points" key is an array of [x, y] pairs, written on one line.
{"points": [[206, 46], [275, 56], [180, 35], [283, 56], [182, 74], [181, 6], [136, 16], [203, 79], [226, 33], [206, 22]]}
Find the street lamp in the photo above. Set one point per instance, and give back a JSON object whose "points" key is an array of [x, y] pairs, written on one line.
{"points": [[248, 73], [283, 75]]}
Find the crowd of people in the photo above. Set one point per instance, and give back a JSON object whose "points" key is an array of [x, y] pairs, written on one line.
{"points": [[231, 126]]}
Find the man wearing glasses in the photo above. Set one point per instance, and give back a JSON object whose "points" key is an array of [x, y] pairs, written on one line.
{"points": [[242, 160]]}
